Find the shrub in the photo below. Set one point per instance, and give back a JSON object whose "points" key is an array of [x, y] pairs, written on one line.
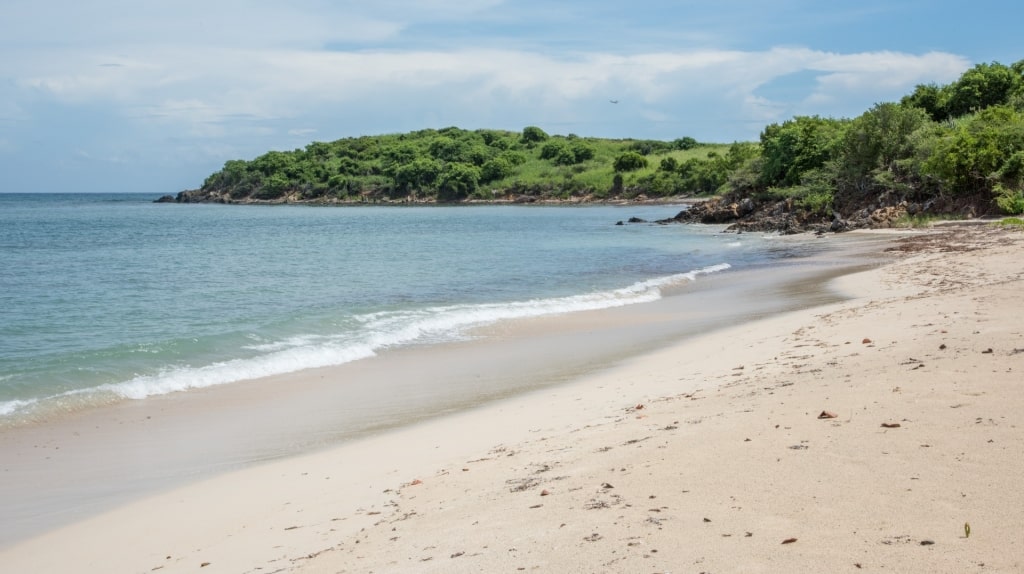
{"points": [[495, 169], [458, 180], [1011, 201], [685, 143], [551, 149], [630, 161], [582, 151], [669, 164], [533, 135]]}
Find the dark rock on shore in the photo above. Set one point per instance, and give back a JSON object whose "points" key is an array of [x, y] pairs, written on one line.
{"points": [[746, 214]]}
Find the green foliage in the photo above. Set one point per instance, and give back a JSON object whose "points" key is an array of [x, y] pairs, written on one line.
{"points": [[928, 98], [420, 173], [552, 148], [685, 143], [1009, 187], [495, 169], [457, 181], [815, 192], [629, 161], [514, 157], [566, 151], [533, 135], [798, 145], [582, 151], [982, 86], [920, 220], [448, 149], [1011, 201], [1012, 222], [273, 187], [647, 147], [877, 151], [970, 157]]}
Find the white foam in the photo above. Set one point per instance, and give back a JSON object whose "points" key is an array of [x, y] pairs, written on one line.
{"points": [[274, 363], [9, 407], [450, 322]]}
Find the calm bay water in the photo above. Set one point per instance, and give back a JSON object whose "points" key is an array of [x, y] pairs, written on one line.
{"points": [[111, 297]]}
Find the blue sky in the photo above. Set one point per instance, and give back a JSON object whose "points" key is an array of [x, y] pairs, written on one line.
{"points": [[124, 96]]}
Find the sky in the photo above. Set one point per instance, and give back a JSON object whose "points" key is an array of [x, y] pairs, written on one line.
{"points": [[153, 96]]}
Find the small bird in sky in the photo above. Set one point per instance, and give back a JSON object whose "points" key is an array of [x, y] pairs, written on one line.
{"points": [[614, 101]]}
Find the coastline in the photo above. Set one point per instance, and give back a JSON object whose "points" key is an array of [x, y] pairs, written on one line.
{"points": [[80, 463], [340, 505]]}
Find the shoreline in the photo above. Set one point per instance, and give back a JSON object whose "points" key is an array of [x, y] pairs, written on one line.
{"points": [[82, 463], [552, 439], [60, 470]]}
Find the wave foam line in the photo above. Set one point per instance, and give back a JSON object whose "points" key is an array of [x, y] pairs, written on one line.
{"points": [[381, 330]]}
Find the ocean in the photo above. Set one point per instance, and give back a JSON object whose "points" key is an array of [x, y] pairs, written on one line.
{"points": [[106, 298], [144, 345]]}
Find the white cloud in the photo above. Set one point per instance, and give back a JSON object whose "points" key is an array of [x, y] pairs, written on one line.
{"points": [[216, 91]]}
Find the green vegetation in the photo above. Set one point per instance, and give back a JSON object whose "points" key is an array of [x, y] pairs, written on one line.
{"points": [[941, 148], [453, 164], [923, 220], [1012, 222]]}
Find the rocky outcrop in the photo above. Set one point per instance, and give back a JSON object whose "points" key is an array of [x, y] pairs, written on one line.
{"points": [[746, 214]]}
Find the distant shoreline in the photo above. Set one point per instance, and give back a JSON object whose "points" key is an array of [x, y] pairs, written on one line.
{"points": [[431, 201]]}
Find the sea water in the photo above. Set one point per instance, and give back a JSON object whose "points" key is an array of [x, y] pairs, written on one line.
{"points": [[107, 298]]}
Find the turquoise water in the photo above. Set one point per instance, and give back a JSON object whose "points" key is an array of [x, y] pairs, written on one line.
{"points": [[107, 298]]}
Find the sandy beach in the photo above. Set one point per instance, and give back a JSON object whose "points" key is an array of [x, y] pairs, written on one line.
{"points": [[878, 433]]}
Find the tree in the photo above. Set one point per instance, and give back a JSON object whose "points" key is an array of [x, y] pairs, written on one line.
{"points": [[875, 146], [796, 146], [980, 87], [978, 153], [233, 173], [928, 97]]}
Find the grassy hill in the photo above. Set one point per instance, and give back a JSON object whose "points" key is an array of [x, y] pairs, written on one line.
{"points": [[454, 164]]}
